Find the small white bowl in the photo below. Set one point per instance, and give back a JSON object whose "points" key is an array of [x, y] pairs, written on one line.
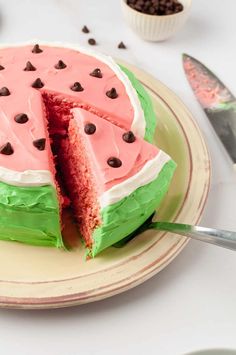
{"points": [[154, 27]]}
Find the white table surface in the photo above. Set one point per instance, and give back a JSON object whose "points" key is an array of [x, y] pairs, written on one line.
{"points": [[191, 304]]}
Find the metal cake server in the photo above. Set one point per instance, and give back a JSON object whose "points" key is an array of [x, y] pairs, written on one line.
{"points": [[222, 238], [217, 101]]}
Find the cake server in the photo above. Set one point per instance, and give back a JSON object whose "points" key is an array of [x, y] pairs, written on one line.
{"points": [[219, 237], [217, 101]]}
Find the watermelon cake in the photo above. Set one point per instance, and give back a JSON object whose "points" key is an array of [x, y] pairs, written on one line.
{"points": [[75, 130]]}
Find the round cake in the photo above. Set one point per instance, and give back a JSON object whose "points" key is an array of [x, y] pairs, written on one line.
{"points": [[76, 130]]}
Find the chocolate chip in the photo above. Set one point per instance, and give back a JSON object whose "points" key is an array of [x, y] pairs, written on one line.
{"points": [[121, 45], [4, 91], [179, 8], [85, 29], [36, 49], [1, 67], [60, 65], [38, 84], [96, 73], [39, 143], [29, 67], [92, 41], [114, 162], [6, 149], [77, 87], [112, 94], [90, 128], [129, 137], [156, 7], [21, 118], [151, 10]]}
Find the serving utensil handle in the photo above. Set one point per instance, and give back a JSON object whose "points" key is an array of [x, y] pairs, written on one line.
{"points": [[222, 238]]}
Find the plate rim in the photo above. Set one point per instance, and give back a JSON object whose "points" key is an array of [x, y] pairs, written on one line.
{"points": [[78, 298]]}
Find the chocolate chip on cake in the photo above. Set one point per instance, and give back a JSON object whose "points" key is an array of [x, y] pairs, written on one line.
{"points": [[121, 45], [96, 73], [29, 67], [60, 65], [36, 49], [90, 128], [38, 84], [156, 7], [4, 91], [6, 149], [128, 137], [21, 118], [85, 29], [1, 67], [39, 143], [114, 162], [92, 41], [77, 87], [112, 94]]}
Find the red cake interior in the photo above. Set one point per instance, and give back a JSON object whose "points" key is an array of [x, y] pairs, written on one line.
{"points": [[58, 116], [74, 178], [79, 182]]}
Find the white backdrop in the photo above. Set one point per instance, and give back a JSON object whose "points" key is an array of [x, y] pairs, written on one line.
{"points": [[192, 303]]}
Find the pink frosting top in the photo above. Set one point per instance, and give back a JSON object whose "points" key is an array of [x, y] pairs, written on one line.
{"points": [[24, 98], [106, 142]]}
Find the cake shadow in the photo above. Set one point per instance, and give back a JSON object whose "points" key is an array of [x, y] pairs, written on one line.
{"points": [[70, 232]]}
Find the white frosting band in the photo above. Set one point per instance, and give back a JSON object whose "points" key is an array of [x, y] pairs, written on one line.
{"points": [[147, 174], [26, 178], [139, 122]]}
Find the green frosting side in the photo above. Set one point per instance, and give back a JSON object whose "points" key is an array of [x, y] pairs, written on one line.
{"points": [[30, 215], [146, 104], [125, 216]]}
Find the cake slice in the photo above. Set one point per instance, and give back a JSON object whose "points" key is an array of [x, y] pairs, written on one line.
{"points": [[114, 179]]}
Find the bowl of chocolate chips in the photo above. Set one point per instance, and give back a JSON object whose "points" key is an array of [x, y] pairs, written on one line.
{"points": [[156, 20]]}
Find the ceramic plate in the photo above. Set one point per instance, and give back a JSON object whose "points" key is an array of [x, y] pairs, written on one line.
{"points": [[36, 277]]}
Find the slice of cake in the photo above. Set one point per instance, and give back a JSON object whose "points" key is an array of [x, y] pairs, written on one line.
{"points": [[114, 179]]}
